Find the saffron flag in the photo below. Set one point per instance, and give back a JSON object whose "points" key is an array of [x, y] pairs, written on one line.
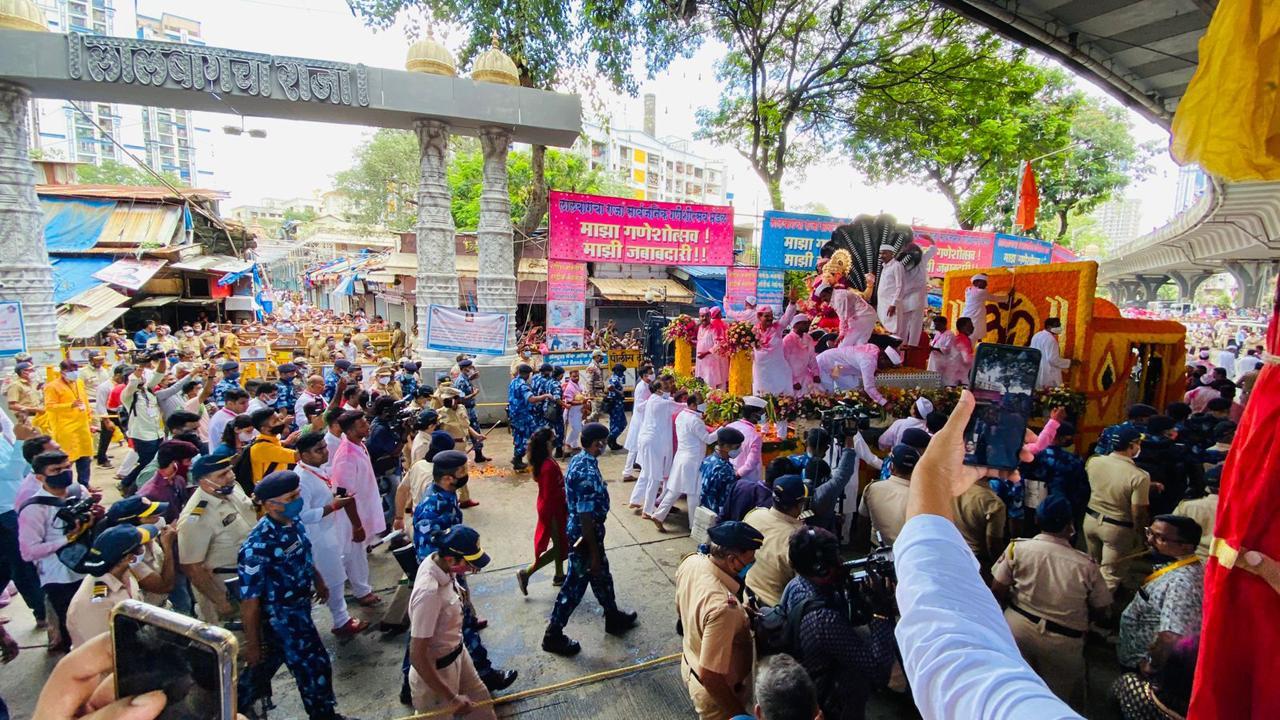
{"points": [[1028, 199], [1235, 675]]}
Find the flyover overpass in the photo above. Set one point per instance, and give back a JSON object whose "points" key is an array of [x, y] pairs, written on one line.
{"points": [[1144, 53]]}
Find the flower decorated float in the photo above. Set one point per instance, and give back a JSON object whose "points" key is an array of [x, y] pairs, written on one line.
{"points": [[1119, 361]]}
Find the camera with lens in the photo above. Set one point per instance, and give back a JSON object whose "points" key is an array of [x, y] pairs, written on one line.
{"points": [[869, 585], [403, 418], [847, 418], [76, 514]]}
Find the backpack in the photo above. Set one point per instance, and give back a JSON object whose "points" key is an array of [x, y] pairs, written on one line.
{"points": [[243, 469], [778, 631]]}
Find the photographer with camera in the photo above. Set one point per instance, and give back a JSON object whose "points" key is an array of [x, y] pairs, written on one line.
{"points": [[843, 660], [772, 569], [388, 434], [60, 513]]}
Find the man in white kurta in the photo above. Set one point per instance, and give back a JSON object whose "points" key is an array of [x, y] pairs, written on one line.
{"points": [[640, 396], [328, 528], [851, 368], [889, 288], [893, 434], [1051, 361], [975, 305], [692, 439], [912, 299], [654, 450]]}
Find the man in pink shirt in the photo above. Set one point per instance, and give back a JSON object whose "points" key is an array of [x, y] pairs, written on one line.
{"points": [[797, 348], [854, 367], [352, 469], [747, 464]]}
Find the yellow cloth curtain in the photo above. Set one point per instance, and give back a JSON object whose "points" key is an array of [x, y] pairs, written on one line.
{"points": [[1229, 119]]}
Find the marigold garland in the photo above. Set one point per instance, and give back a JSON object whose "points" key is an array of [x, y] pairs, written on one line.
{"points": [[738, 336], [681, 327]]}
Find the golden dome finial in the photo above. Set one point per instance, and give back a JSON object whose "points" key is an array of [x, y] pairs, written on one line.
{"points": [[494, 66], [431, 57], [22, 15]]}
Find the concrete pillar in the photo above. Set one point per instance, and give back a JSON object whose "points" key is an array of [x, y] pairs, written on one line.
{"points": [[496, 282], [1151, 284], [1249, 277], [25, 272], [1131, 290], [437, 281], [1116, 293]]}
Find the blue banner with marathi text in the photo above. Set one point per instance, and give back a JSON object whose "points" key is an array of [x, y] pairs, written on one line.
{"points": [[791, 241], [1012, 250], [770, 285]]}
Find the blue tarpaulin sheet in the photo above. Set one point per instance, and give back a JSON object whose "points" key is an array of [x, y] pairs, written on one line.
{"points": [[708, 284], [74, 275], [72, 224]]}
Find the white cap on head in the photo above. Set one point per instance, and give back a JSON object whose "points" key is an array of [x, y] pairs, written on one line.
{"points": [[753, 401], [894, 356], [923, 406], [799, 318], [888, 248], [980, 276], [750, 300]]}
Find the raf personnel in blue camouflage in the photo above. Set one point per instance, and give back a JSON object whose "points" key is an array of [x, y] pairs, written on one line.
{"points": [[287, 389], [544, 384], [276, 578], [1063, 473], [520, 409], [432, 519], [716, 474], [332, 376], [230, 379], [408, 378], [616, 400], [587, 497], [466, 384], [1138, 415]]}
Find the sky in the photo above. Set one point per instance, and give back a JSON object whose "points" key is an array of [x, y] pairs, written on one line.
{"points": [[300, 158]]}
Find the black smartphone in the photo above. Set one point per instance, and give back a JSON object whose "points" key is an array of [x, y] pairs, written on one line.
{"points": [[1003, 383], [194, 663]]}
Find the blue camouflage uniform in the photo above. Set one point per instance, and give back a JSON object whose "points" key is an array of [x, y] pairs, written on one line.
{"points": [[552, 387], [275, 567], [541, 386], [523, 422], [717, 477], [464, 386], [330, 384], [408, 385], [1064, 474], [432, 518], [616, 400], [585, 493], [1107, 440], [220, 390], [286, 399]]}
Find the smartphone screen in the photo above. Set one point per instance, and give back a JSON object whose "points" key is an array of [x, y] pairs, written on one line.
{"points": [[1003, 383], [196, 679]]}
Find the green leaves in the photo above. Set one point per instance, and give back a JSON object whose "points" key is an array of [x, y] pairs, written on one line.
{"points": [[112, 172]]}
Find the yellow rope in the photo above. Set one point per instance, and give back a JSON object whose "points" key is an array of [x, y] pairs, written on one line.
{"points": [[563, 685]]}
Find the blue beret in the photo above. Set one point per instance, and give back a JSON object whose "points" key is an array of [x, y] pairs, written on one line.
{"points": [[1054, 513], [905, 457], [440, 442], [729, 436], [593, 432], [114, 545], [449, 460], [1126, 437], [736, 535], [230, 365], [916, 438], [465, 362], [209, 464], [276, 484], [789, 489], [287, 368]]}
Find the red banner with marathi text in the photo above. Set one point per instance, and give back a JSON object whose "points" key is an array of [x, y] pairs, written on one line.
{"points": [[956, 249]]}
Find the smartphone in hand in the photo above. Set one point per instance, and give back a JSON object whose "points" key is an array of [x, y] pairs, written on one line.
{"points": [[194, 663], [1003, 383]]}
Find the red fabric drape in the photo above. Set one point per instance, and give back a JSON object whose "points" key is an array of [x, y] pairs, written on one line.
{"points": [[1028, 199], [1240, 637]]}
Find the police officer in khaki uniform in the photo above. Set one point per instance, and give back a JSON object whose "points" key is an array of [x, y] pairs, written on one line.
{"points": [[717, 648], [883, 510], [442, 673], [1118, 504], [981, 516], [1049, 590], [115, 573], [214, 523], [772, 569]]}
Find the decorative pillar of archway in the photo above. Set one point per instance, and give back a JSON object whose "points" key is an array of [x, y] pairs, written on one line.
{"points": [[437, 280], [25, 272], [496, 282]]}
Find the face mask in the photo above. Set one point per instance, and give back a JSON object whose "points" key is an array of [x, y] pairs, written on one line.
{"points": [[1056, 330], [247, 435], [71, 376], [137, 559], [61, 481], [191, 333], [224, 489], [293, 509], [461, 482], [734, 452], [1136, 454], [384, 381], [450, 402], [462, 568], [742, 574], [702, 408]]}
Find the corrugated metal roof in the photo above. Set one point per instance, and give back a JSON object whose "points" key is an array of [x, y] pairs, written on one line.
{"points": [[74, 275], [145, 226], [97, 298], [88, 312], [702, 272], [71, 225], [156, 301], [634, 290], [532, 269], [214, 263]]}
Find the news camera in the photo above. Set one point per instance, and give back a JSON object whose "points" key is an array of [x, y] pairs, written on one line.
{"points": [[847, 418], [868, 586]]}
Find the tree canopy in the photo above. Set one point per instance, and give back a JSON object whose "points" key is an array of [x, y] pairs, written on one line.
{"points": [[967, 135], [113, 172], [383, 180]]}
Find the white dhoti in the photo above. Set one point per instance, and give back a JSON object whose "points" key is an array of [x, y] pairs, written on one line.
{"points": [[329, 556]]}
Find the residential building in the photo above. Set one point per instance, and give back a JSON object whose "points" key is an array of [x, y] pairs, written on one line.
{"points": [[274, 209], [1119, 219], [93, 132], [665, 169], [1192, 183]]}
